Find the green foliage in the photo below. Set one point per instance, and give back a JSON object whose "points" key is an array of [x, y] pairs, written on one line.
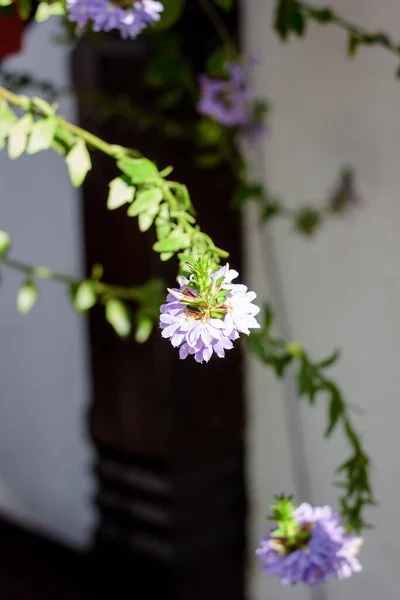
{"points": [[5, 243], [117, 314], [172, 12], [24, 8], [7, 120], [45, 10], [226, 5], [147, 201], [139, 170], [167, 205], [307, 220], [144, 328], [312, 382], [289, 19], [84, 296], [27, 297], [287, 528], [216, 63], [42, 135], [18, 136], [78, 163], [176, 241], [121, 192]]}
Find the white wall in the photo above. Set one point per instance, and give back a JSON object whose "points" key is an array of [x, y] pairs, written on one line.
{"points": [[45, 455], [341, 289]]}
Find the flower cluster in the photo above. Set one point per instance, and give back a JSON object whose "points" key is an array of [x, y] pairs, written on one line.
{"points": [[229, 101], [130, 18], [208, 312], [307, 545]]}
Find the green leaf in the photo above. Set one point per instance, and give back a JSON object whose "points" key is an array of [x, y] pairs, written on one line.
{"points": [[171, 13], [208, 161], [209, 132], [5, 243], [24, 8], [6, 2], [146, 220], [120, 193], [143, 329], [171, 244], [328, 362], [146, 201], [97, 272], [42, 135], [78, 162], [44, 107], [7, 120], [256, 347], [167, 171], [334, 416], [216, 63], [163, 223], [247, 191], [27, 297], [226, 5], [352, 45], [269, 317], [84, 297], [304, 381], [279, 363], [118, 316], [45, 10], [298, 23], [295, 349], [18, 136], [289, 17], [322, 15], [164, 256], [139, 170]]}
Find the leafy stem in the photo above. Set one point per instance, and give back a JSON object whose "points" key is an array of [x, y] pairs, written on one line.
{"points": [[311, 382], [100, 288], [291, 18], [27, 104]]}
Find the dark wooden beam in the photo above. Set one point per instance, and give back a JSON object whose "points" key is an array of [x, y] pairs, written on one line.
{"points": [[168, 433]]}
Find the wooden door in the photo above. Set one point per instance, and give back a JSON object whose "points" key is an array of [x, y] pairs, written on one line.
{"points": [[168, 433]]}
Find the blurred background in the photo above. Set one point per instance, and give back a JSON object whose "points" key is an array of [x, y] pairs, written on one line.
{"points": [[124, 471]]}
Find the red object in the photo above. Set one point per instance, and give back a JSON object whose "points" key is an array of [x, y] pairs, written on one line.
{"points": [[11, 30]]}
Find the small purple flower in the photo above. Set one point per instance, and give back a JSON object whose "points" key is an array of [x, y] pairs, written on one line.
{"points": [[225, 100], [104, 15], [194, 330], [324, 550]]}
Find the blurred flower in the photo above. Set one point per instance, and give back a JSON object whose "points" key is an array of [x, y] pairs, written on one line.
{"points": [[205, 319], [130, 18], [229, 101], [311, 547]]}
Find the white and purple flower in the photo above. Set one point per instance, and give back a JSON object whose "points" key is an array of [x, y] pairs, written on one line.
{"points": [[326, 550], [195, 330], [130, 18]]}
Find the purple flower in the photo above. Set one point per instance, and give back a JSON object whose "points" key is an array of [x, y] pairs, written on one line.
{"points": [[325, 549], [226, 100], [195, 330], [105, 15]]}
